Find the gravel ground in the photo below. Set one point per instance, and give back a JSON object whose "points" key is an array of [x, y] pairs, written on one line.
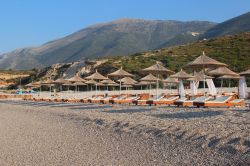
{"points": [[85, 134]]}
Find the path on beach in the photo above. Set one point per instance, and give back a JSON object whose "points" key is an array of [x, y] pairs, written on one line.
{"points": [[31, 137]]}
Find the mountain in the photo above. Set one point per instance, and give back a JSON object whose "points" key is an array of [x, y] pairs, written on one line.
{"points": [[232, 50], [119, 37], [230, 27]]}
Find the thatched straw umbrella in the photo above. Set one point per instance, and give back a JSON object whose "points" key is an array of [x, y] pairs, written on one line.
{"points": [[228, 77], [194, 81], [221, 71], [120, 74], [76, 79], [245, 73], [143, 83], [97, 77], [91, 82], [77, 84], [149, 78], [38, 84], [171, 81], [32, 85], [180, 76], [157, 69], [109, 82], [203, 62], [127, 82], [61, 81], [48, 82], [68, 85]]}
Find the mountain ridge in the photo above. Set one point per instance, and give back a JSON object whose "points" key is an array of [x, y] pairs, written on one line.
{"points": [[229, 27], [118, 37]]}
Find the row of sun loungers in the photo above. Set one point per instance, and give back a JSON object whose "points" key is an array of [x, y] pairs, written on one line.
{"points": [[225, 100]]}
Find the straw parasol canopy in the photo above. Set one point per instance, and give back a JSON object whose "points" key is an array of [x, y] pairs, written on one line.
{"points": [[141, 83], [100, 84], [38, 83], [31, 85], [76, 78], [91, 82], [68, 84], [181, 75], [158, 69], [78, 84], [204, 61], [229, 77], [47, 82], [128, 81], [149, 78], [200, 76], [127, 86], [245, 73], [223, 71], [61, 81], [109, 82], [171, 80], [120, 73], [96, 76]]}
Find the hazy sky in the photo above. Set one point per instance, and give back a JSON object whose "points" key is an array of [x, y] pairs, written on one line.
{"points": [[27, 23]]}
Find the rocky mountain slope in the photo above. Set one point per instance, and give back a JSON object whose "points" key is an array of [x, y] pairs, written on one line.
{"points": [[120, 37], [233, 26]]}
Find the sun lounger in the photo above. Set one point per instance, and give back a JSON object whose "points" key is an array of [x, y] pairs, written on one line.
{"points": [[189, 103], [96, 99], [117, 99], [142, 99], [150, 101], [180, 100], [59, 99], [237, 103], [73, 100], [128, 99], [106, 99], [166, 100], [220, 101]]}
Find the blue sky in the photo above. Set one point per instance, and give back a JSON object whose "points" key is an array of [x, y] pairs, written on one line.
{"points": [[27, 23]]}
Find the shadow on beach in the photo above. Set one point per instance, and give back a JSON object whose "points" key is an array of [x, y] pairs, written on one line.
{"points": [[91, 107], [187, 115], [128, 111]]}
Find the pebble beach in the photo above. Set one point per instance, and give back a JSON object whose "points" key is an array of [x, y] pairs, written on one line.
{"points": [[43, 133]]}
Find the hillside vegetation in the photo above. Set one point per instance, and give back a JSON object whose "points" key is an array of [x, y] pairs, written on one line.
{"points": [[232, 50]]}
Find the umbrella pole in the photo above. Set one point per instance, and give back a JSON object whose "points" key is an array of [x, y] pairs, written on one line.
{"points": [[171, 88], [120, 86], [221, 83], [95, 89], [204, 81], [150, 89], [157, 85], [50, 89]]}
